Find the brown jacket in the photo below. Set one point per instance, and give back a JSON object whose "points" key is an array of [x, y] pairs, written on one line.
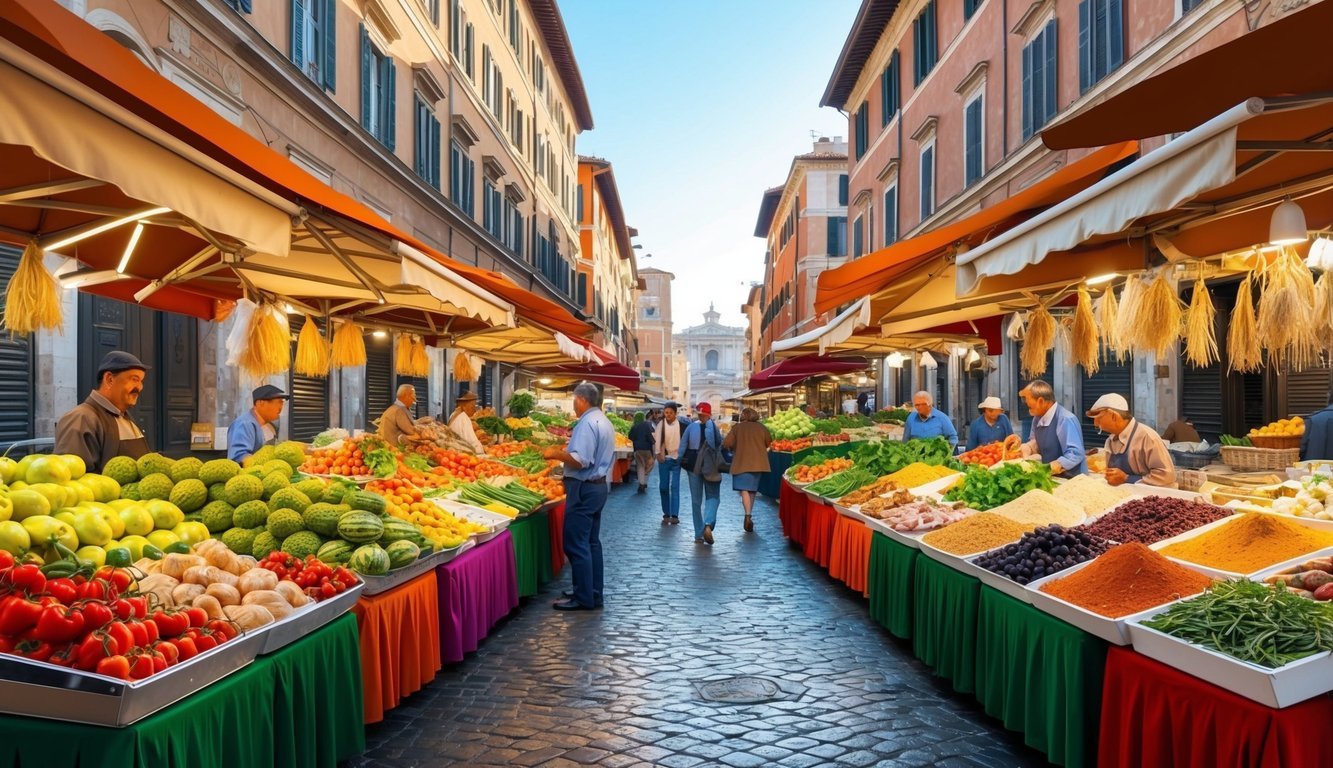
{"points": [[749, 441]]}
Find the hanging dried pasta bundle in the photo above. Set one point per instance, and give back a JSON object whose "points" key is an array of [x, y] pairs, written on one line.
{"points": [[1039, 340], [1323, 309], [32, 300], [420, 360], [1201, 326], [312, 351], [1243, 351], [349, 347], [1084, 337], [1286, 319], [1125, 327], [1158, 317], [402, 355], [267, 344], [1108, 310], [463, 368]]}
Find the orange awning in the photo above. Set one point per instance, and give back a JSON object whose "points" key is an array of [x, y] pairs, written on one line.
{"points": [[877, 271], [1289, 57]]}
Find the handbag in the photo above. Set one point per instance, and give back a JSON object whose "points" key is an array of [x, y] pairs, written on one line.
{"points": [[711, 463]]}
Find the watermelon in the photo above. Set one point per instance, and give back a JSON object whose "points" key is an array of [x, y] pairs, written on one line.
{"points": [[369, 560], [336, 552], [402, 553], [365, 500], [400, 530], [360, 527]]}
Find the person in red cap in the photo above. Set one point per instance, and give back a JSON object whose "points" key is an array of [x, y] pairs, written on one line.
{"points": [[700, 454]]}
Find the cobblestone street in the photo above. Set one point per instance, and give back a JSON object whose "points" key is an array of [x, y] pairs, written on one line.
{"points": [[620, 687]]}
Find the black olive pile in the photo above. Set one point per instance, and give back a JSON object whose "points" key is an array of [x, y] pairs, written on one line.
{"points": [[1042, 552]]}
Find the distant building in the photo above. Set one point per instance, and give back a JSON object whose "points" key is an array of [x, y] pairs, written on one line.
{"points": [[753, 309], [680, 373], [607, 273], [716, 356], [652, 301]]}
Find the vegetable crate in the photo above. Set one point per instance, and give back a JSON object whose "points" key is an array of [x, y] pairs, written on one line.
{"points": [[1239, 457]]}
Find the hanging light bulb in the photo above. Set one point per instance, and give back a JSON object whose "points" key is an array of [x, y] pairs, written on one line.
{"points": [[896, 359], [1287, 226]]}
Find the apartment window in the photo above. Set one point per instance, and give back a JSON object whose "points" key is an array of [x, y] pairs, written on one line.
{"points": [[891, 215], [456, 29], [1101, 40], [858, 237], [426, 144], [433, 8], [487, 76], [925, 45], [974, 139], [580, 206], [837, 236], [842, 189], [1039, 80], [314, 40], [492, 207], [862, 129], [377, 92], [514, 227], [462, 178], [497, 91], [241, 5], [710, 360], [468, 49], [1185, 6], [927, 180], [514, 27], [889, 96], [970, 7]]}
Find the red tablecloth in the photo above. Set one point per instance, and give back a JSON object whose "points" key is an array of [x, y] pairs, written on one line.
{"points": [[819, 519], [849, 554], [791, 512], [1155, 715], [556, 518], [476, 591], [400, 643]]}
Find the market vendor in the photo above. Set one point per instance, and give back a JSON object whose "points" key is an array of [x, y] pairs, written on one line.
{"points": [[927, 421], [992, 427], [1317, 442], [1056, 436], [257, 427], [1181, 431], [396, 424], [460, 421], [1134, 454], [100, 428]]}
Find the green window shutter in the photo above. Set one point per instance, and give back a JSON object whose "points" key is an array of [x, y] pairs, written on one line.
{"points": [[328, 65], [367, 61], [298, 33], [1085, 76], [390, 124]]}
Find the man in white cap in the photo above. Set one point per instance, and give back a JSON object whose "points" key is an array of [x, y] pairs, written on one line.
{"points": [[992, 427], [1134, 454]]}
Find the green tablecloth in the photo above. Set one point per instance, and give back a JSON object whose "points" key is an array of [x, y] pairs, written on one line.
{"points": [[532, 552], [944, 622], [892, 578], [1040, 676], [298, 707]]}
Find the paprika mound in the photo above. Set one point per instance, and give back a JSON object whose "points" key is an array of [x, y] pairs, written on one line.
{"points": [[1127, 579]]}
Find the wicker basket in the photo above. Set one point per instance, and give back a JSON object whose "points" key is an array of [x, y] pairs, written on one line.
{"points": [[1184, 460], [1260, 441], [1239, 457]]}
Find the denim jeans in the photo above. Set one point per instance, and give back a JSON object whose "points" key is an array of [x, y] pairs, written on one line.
{"points": [[583, 543], [668, 483], [704, 500]]}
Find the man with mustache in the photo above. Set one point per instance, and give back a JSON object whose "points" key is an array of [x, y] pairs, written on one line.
{"points": [[100, 428]]}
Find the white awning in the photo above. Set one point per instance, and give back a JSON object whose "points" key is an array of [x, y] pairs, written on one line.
{"points": [[838, 330]]}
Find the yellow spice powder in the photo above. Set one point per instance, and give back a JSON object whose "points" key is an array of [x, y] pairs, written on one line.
{"points": [[975, 533], [1250, 543], [918, 474]]}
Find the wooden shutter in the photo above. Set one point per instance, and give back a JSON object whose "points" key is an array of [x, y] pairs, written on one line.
{"points": [[891, 215], [972, 153], [379, 378], [388, 99], [1028, 86], [367, 61], [328, 58], [1307, 391], [1085, 42], [1114, 43], [1048, 73], [298, 33]]}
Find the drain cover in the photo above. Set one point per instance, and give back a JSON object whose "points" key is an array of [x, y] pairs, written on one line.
{"points": [[743, 689]]}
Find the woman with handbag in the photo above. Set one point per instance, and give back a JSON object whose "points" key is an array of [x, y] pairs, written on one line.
{"points": [[748, 441], [701, 456]]}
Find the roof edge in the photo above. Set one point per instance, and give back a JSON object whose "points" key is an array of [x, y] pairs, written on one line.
{"points": [[871, 21], [556, 37]]}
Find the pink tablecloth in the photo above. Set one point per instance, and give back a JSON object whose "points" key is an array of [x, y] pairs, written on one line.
{"points": [[476, 591]]}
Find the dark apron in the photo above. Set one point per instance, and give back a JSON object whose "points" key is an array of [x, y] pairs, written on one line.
{"points": [[112, 445], [1120, 460], [1048, 444]]}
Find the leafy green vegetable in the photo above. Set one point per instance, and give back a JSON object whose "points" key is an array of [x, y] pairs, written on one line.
{"points": [[984, 489], [381, 462], [1241, 442], [417, 461], [897, 414], [827, 427], [521, 404], [622, 425], [839, 485], [891, 455], [493, 425]]}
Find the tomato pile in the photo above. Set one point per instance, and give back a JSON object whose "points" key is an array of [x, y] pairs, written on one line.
{"points": [[990, 455], [806, 474], [98, 623], [317, 579], [791, 446], [345, 460]]}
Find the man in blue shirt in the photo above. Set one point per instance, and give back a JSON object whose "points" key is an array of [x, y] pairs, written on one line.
{"points": [[926, 421], [587, 459], [1056, 435], [1317, 443], [258, 427], [993, 426]]}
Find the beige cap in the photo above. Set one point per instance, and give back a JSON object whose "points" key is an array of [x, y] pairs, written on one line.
{"points": [[990, 402], [1112, 400]]}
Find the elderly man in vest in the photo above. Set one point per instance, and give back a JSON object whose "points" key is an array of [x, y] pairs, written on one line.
{"points": [[100, 428], [1134, 453]]}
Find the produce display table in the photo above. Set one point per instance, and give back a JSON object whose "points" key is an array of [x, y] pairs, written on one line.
{"points": [[1155, 715], [819, 519], [944, 622], [477, 589], [300, 706], [532, 552], [556, 529], [792, 512], [1040, 676], [891, 585], [400, 643], [849, 554], [771, 482]]}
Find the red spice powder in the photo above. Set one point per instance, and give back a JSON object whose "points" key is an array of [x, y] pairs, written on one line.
{"points": [[1127, 579]]}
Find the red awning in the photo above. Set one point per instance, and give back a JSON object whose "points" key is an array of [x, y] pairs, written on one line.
{"points": [[797, 369], [614, 374]]}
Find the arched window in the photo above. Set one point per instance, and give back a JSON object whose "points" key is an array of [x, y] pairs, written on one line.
{"points": [[710, 360]]}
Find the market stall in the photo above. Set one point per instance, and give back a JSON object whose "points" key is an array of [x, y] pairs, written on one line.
{"points": [[399, 632], [476, 591], [531, 535]]}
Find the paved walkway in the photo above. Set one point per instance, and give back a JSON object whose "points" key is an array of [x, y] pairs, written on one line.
{"points": [[619, 687]]}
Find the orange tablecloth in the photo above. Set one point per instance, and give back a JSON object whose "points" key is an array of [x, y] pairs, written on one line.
{"points": [[400, 643], [849, 554], [556, 517], [792, 512], [819, 520], [619, 468]]}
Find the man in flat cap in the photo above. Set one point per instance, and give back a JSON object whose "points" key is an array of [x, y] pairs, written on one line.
{"points": [[100, 428], [258, 426], [460, 421]]}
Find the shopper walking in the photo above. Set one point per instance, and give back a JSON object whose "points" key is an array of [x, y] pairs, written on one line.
{"points": [[587, 460], [666, 442], [641, 435], [748, 441], [705, 485]]}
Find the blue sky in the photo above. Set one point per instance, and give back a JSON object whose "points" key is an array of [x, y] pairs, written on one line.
{"points": [[700, 105]]}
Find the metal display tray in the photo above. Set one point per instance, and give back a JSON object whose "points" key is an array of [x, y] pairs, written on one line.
{"points": [[399, 576], [37, 689], [307, 619]]}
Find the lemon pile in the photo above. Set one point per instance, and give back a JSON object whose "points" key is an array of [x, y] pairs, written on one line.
{"points": [[1293, 427]]}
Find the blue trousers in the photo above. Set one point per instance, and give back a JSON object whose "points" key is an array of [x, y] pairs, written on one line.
{"points": [[583, 543], [704, 500], [668, 484]]}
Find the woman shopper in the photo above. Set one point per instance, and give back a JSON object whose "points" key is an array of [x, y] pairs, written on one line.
{"points": [[748, 441], [641, 435], [705, 495]]}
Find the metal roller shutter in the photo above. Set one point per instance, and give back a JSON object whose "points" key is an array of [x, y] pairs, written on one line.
{"points": [[1201, 399], [16, 371], [1020, 381], [379, 378], [1307, 391], [423, 391], [1110, 377], [308, 410], [942, 384]]}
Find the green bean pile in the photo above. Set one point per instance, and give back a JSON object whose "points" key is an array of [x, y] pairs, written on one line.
{"points": [[1251, 621]]}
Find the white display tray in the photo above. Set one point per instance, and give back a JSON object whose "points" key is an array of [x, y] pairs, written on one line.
{"points": [[308, 618], [1217, 573], [399, 576], [935, 488], [996, 581], [1292, 563], [1282, 687], [1115, 631], [1152, 490], [495, 523]]}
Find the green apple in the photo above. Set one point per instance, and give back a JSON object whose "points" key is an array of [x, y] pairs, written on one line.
{"points": [[92, 529]]}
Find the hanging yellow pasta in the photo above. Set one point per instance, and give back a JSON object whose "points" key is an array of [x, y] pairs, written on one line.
{"points": [[1126, 329], [267, 344], [463, 368], [1039, 340], [349, 347], [1243, 351], [1201, 326], [402, 356], [1286, 312], [1084, 337], [32, 299], [1108, 310], [312, 351], [1158, 317], [420, 360]]}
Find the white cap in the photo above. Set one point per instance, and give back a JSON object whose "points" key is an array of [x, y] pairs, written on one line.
{"points": [[990, 402], [1112, 400]]}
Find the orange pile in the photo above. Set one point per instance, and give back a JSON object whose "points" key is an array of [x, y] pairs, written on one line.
{"points": [[820, 471]]}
